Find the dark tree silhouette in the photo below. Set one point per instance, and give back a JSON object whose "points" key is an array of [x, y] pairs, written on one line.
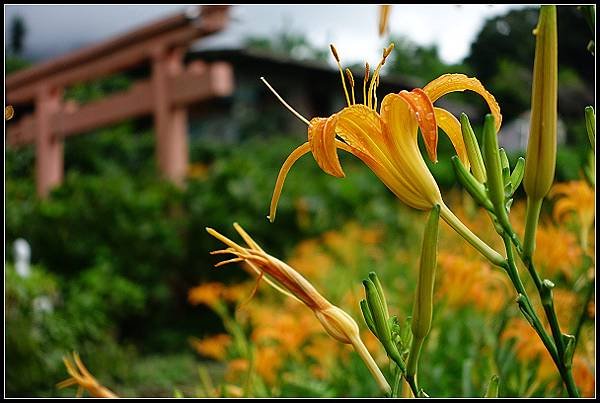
{"points": [[18, 30]]}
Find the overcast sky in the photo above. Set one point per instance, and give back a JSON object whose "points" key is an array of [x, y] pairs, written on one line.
{"points": [[55, 29]]}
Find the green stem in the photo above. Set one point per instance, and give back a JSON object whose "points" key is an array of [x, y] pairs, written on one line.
{"points": [[588, 296], [413, 357], [412, 382], [470, 237], [364, 354], [397, 379], [534, 207], [556, 347]]}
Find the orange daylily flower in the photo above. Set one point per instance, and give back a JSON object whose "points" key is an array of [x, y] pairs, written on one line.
{"points": [[575, 197], [386, 141], [81, 377]]}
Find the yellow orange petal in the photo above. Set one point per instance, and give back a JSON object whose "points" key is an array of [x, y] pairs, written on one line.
{"points": [[451, 126], [422, 107], [459, 82], [287, 165], [321, 137], [360, 127]]}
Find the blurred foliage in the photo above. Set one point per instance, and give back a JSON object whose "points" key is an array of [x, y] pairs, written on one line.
{"points": [[15, 63], [422, 62], [289, 43]]}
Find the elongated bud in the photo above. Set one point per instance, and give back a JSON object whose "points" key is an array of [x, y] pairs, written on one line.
{"points": [[423, 305], [380, 316], [475, 189], [376, 308], [368, 316], [590, 125], [373, 277], [517, 174], [472, 146], [541, 147], [492, 389], [493, 167]]}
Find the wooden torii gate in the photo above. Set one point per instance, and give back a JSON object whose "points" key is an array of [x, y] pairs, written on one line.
{"points": [[166, 94]]}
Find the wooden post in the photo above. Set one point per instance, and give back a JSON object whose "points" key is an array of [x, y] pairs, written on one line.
{"points": [[170, 122], [48, 148]]}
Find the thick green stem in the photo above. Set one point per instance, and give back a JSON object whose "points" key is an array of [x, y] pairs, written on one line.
{"points": [[556, 348], [534, 207], [413, 357], [412, 382], [470, 237]]}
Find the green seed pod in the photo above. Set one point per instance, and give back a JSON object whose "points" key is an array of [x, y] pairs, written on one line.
{"points": [[541, 147], [472, 146], [475, 189], [493, 166]]}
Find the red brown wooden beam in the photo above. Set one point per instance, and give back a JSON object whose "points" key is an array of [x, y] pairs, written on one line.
{"points": [[193, 85], [114, 55]]}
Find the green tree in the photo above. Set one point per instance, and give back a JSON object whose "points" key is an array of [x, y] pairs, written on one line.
{"points": [[18, 30], [287, 43]]}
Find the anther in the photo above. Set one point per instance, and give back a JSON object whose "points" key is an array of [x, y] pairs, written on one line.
{"points": [[334, 51]]}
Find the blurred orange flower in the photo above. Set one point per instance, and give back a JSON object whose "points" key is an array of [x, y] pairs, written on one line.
{"points": [[214, 346]]}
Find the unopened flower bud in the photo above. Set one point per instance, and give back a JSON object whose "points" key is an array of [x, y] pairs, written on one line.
{"points": [[541, 147]]}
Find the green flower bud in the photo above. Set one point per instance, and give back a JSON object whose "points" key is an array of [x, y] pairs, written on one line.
{"points": [[475, 189], [473, 151], [541, 147], [380, 321], [368, 316], [517, 175], [493, 166], [423, 305], [590, 125]]}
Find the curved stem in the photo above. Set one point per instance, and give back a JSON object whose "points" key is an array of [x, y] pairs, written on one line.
{"points": [[364, 354], [470, 237], [534, 207]]}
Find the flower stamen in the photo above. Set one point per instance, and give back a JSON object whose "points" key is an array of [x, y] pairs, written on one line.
{"points": [[337, 60], [351, 79], [366, 79], [375, 78], [296, 113]]}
